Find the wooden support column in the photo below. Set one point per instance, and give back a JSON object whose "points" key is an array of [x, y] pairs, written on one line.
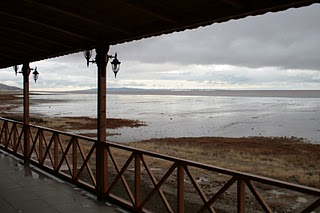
{"points": [[26, 116], [101, 150]]}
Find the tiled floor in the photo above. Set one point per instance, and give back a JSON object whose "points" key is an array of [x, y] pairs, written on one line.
{"points": [[25, 189]]}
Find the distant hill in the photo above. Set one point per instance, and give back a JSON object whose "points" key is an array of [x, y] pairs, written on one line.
{"points": [[122, 89], [4, 87]]}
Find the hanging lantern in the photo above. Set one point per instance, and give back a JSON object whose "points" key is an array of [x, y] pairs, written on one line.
{"points": [[16, 68], [87, 54], [115, 65], [35, 75]]}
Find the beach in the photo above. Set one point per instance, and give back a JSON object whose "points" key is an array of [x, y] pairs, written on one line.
{"points": [[288, 158], [171, 123], [188, 114]]}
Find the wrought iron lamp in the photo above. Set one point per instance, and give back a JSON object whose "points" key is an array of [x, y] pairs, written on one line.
{"points": [[35, 72], [35, 75], [115, 63]]}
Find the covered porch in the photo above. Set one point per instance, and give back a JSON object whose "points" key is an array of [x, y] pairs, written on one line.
{"points": [[49, 29]]}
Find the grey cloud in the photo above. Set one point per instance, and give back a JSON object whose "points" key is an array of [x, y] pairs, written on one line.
{"points": [[287, 39]]}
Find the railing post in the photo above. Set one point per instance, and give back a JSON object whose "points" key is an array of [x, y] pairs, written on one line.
{"points": [[55, 151], [26, 117], [101, 151], [180, 177], [137, 181], [14, 132], [74, 158], [241, 195], [6, 134], [40, 146]]}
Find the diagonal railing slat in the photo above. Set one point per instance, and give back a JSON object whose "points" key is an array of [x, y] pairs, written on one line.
{"points": [[159, 184], [47, 152], [15, 136], [219, 193], [44, 146], [3, 136], [20, 142], [85, 162], [65, 157], [120, 175], [259, 197], [312, 207], [155, 183], [33, 147], [10, 139], [6, 133], [199, 190], [58, 147]]}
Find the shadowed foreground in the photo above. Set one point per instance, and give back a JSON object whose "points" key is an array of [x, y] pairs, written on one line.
{"points": [[26, 189]]}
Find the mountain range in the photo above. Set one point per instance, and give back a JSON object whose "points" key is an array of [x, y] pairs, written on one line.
{"points": [[4, 87]]}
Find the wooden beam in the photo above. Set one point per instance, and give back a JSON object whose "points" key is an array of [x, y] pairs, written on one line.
{"points": [[8, 56], [14, 41], [67, 32], [11, 49], [234, 3], [152, 10], [77, 16], [32, 36]]}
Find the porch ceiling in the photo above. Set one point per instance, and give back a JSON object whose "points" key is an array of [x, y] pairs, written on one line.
{"points": [[32, 30]]}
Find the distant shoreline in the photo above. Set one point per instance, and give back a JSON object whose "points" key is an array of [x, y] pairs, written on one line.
{"points": [[227, 93]]}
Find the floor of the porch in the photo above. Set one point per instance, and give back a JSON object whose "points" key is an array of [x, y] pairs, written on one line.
{"points": [[26, 189]]}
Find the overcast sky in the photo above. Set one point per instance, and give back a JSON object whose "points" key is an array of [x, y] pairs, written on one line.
{"points": [[272, 51]]}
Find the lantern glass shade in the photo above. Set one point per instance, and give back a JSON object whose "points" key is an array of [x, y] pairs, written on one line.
{"points": [[15, 68], [115, 64], [87, 54], [35, 75]]}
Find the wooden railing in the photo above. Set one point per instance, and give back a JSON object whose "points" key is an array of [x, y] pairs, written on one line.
{"points": [[146, 181]]}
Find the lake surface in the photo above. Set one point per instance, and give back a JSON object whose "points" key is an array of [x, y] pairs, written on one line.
{"points": [[194, 115]]}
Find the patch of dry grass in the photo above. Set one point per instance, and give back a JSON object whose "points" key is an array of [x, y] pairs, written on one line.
{"points": [[288, 159], [76, 123]]}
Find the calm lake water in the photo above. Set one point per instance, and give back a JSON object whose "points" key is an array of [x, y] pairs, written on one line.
{"points": [[194, 115]]}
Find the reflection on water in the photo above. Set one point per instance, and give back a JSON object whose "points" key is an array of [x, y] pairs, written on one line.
{"points": [[195, 116]]}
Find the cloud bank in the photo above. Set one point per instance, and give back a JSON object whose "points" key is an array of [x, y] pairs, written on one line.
{"points": [[272, 51]]}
